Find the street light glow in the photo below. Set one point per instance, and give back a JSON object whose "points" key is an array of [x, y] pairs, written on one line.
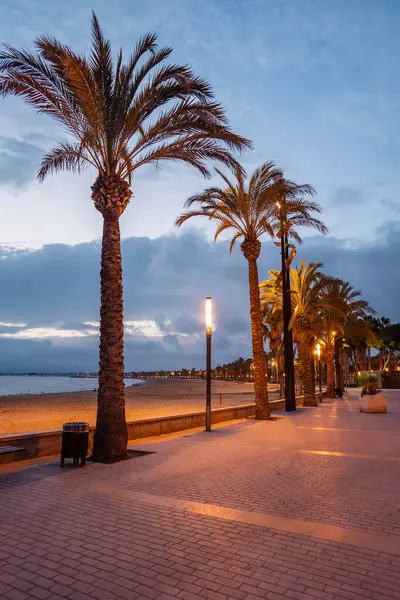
{"points": [[319, 351], [209, 323], [208, 308]]}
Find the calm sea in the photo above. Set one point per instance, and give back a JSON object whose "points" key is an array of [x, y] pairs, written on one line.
{"points": [[12, 385]]}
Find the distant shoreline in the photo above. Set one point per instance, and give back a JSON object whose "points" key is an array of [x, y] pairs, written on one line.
{"points": [[88, 388], [9, 396]]}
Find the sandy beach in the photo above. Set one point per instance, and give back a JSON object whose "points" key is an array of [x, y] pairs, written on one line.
{"points": [[153, 398]]}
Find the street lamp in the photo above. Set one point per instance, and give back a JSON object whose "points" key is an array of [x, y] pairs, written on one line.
{"points": [[319, 370], [274, 363], [208, 319], [290, 395]]}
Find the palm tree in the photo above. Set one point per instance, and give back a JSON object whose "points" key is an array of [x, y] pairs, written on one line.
{"points": [[272, 320], [307, 285], [119, 117], [343, 308], [250, 210], [388, 339], [360, 338]]}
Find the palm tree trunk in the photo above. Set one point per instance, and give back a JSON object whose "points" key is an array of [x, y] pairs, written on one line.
{"points": [[111, 437], [260, 380], [338, 364], [330, 392], [308, 370], [301, 352], [363, 359], [111, 196]]}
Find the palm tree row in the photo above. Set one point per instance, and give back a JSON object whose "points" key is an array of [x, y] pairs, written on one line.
{"points": [[250, 209], [120, 116], [326, 309]]}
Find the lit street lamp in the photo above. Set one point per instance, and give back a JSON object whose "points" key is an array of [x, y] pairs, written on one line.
{"points": [[319, 371], [208, 316], [274, 363]]}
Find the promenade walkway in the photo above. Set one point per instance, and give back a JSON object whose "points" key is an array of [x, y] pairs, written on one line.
{"points": [[304, 507]]}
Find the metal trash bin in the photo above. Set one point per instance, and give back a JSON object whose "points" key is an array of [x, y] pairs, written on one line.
{"points": [[75, 442]]}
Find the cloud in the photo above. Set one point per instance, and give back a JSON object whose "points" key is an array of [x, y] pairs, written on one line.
{"points": [[45, 332], [20, 159], [347, 197], [371, 267], [50, 298], [185, 323], [392, 205]]}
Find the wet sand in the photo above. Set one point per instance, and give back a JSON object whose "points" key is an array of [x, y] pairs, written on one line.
{"points": [[156, 397]]}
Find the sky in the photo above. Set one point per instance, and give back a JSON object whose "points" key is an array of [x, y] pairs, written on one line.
{"points": [[314, 83]]}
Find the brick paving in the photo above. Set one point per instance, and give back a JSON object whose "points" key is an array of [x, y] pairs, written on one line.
{"points": [[91, 533]]}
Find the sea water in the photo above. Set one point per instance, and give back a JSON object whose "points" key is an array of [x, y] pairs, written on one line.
{"points": [[13, 385]]}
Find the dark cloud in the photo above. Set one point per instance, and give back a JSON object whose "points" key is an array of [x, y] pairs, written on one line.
{"points": [[392, 205], [240, 324], [347, 196], [166, 280], [9, 329], [372, 267], [184, 323], [20, 160]]}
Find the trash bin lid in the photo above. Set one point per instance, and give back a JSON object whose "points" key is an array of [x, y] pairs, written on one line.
{"points": [[77, 426]]}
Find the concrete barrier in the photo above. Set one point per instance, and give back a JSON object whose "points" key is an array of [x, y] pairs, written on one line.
{"points": [[47, 443]]}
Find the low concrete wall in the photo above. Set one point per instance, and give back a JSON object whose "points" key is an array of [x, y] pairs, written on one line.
{"points": [[46, 443]]}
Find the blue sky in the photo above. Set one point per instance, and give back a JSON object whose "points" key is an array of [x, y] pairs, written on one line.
{"points": [[314, 83]]}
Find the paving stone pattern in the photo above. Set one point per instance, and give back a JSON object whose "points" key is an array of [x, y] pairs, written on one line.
{"points": [[61, 538]]}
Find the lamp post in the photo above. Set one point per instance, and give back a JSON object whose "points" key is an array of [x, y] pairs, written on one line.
{"points": [[274, 363], [319, 371], [208, 318], [290, 397], [338, 341], [335, 385]]}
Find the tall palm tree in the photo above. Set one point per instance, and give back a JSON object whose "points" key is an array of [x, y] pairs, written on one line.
{"points": [[359, 337], [307, 285], [387, 339], [119, 117], [250, 210], [272, 323], [343, 308]]}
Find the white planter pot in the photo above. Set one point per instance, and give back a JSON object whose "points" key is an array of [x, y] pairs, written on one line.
{"points": [[373, 404]]}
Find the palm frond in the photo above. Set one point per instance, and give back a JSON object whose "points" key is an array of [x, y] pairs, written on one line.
{"points": [[64, 157], [193, 150], [235, 238], [101, 67], [188, 215]]}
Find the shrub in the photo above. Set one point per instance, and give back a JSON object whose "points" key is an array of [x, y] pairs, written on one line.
{"points": [[369, 385]]}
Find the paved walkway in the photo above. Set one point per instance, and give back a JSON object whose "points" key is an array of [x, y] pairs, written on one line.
{"points": [[305, 507]]}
